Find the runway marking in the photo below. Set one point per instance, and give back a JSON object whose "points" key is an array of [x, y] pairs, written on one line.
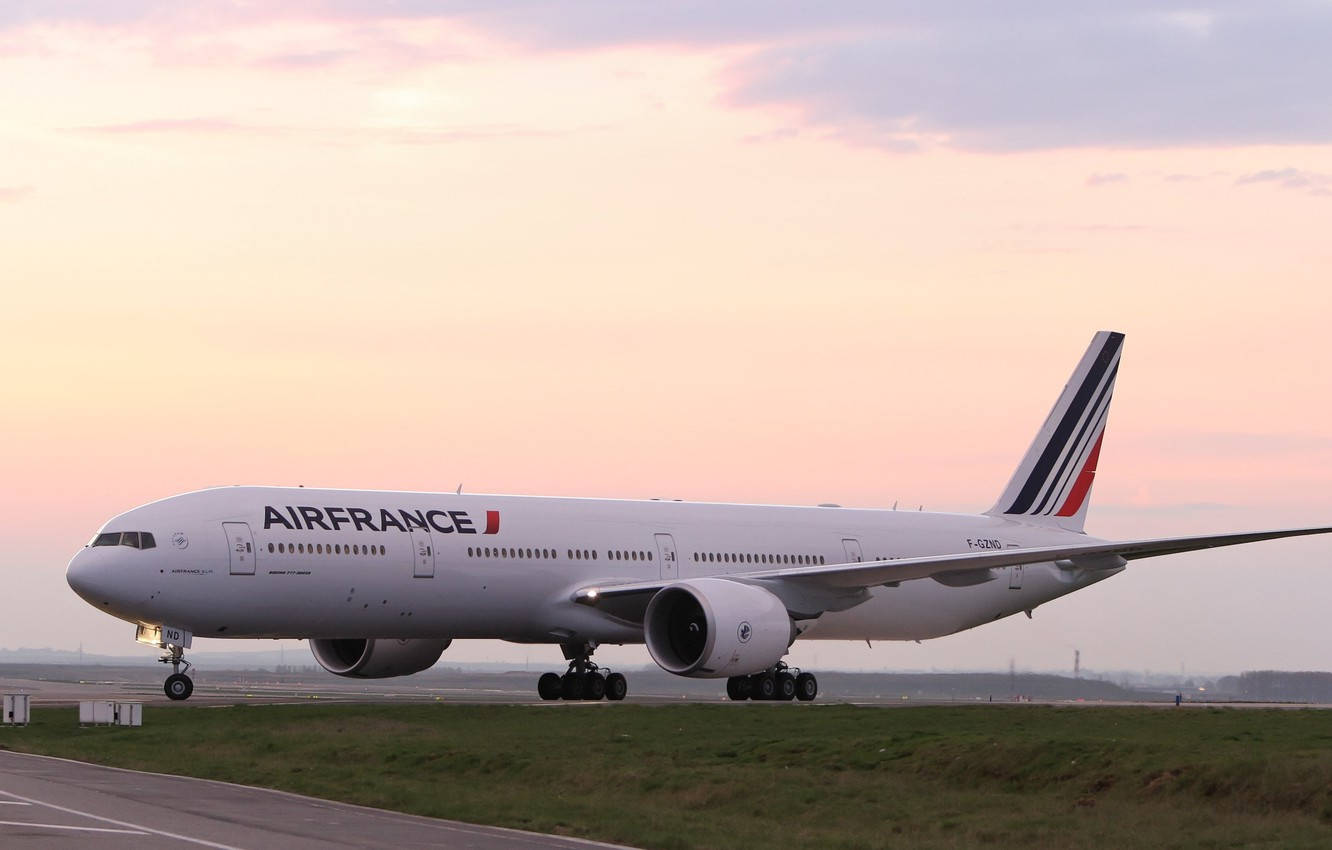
{"points": [[516, 835], [142, 830], [67, 826]]}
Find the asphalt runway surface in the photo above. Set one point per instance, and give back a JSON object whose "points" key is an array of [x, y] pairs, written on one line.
{"points": [[48, 803], [234, 689]]}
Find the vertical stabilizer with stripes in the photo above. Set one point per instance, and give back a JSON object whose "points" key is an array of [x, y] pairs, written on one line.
{"points": [[1052, 485]]}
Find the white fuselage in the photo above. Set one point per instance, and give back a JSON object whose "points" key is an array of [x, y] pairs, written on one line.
{"points": [[275, 562]]}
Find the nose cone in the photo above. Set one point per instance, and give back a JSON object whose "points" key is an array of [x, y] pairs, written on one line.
{"points": [[87, 579]]}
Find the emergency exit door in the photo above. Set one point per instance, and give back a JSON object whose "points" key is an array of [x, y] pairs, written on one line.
{"points": [[240, 547], [423, 554]]}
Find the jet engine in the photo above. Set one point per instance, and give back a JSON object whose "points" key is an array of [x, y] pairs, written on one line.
{"points": [[377, 658], [711, 628]]}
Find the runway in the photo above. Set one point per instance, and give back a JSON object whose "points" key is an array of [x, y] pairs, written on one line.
{"points": [[238, 688], [47, 802]]}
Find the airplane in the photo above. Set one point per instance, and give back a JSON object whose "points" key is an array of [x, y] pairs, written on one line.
{"points": [[380, 583]]}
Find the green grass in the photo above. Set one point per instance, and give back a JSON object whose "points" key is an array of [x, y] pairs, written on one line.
{"points": [[745, 776]]}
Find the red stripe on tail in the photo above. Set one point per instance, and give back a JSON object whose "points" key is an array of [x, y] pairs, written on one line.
{"points": [[1084, 482]]}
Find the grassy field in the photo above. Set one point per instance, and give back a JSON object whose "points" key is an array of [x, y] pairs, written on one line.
{"points": [[758, 775]]}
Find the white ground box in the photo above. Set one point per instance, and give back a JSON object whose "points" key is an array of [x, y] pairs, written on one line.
{"points": [[17, 709], [97, 712], [129, 714]]}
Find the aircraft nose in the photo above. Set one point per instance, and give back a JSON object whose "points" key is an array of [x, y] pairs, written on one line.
{"points": [[83, 577]]}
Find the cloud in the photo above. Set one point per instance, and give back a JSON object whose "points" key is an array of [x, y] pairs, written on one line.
{"points": [[388, 135], [1313, 182], [1233, 444], [212, 126], [14, 194], [1107, 179], [976, 75], [1035, 75]]}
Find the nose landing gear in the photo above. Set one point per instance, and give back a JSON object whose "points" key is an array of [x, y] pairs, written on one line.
{"points": [[178, 686]]}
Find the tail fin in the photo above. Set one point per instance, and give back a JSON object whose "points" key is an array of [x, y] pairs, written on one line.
{"points": [[1052, 485]]}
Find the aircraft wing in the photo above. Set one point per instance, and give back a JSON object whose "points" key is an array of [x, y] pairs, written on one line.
{"points": [[858, 577]]}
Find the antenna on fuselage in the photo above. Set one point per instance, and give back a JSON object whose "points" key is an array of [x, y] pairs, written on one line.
{"points": [[459, 490]]}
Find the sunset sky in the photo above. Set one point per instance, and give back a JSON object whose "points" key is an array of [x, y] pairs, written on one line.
{"points": [[757, 251]]}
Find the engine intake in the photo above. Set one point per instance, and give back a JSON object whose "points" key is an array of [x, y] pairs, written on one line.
{"points": [[711, 628], [376, 658]]}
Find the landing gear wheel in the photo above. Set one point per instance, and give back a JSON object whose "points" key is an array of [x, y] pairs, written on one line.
{"points": [[594, 686], [763, 687], [572, 686], [178, 686], [616, 687], [806, 687], [548, 686], [786, 687], [738, 688]]}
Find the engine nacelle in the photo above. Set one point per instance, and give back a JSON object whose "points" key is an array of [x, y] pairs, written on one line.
{"points": [[378, 658], [710, 628]]}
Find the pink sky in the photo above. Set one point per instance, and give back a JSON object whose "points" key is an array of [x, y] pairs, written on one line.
{"points": [[323, 247]]}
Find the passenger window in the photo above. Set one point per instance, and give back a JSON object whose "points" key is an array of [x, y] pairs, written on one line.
{"points": [[649, 556], [594, 554], [270, 547], [282, 548]]}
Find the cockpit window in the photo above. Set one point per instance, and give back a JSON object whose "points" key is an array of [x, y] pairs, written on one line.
{"points": [[136, 539]]}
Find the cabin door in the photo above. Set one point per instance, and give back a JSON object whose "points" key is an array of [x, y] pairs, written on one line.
{"points": [[854, 555], [423, 553], [240, 546], [670, 569]]}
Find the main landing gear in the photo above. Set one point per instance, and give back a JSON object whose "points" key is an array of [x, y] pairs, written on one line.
{"points": [[776, 683], [178, 686], [584, 680]]}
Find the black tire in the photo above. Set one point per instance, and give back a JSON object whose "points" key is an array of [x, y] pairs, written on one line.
{"points": [[548, 686], [594, 687], [737, 688], [786, 689], [178, 686], [617, 687], [763, 687], [572, 686], [807, 687]]}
